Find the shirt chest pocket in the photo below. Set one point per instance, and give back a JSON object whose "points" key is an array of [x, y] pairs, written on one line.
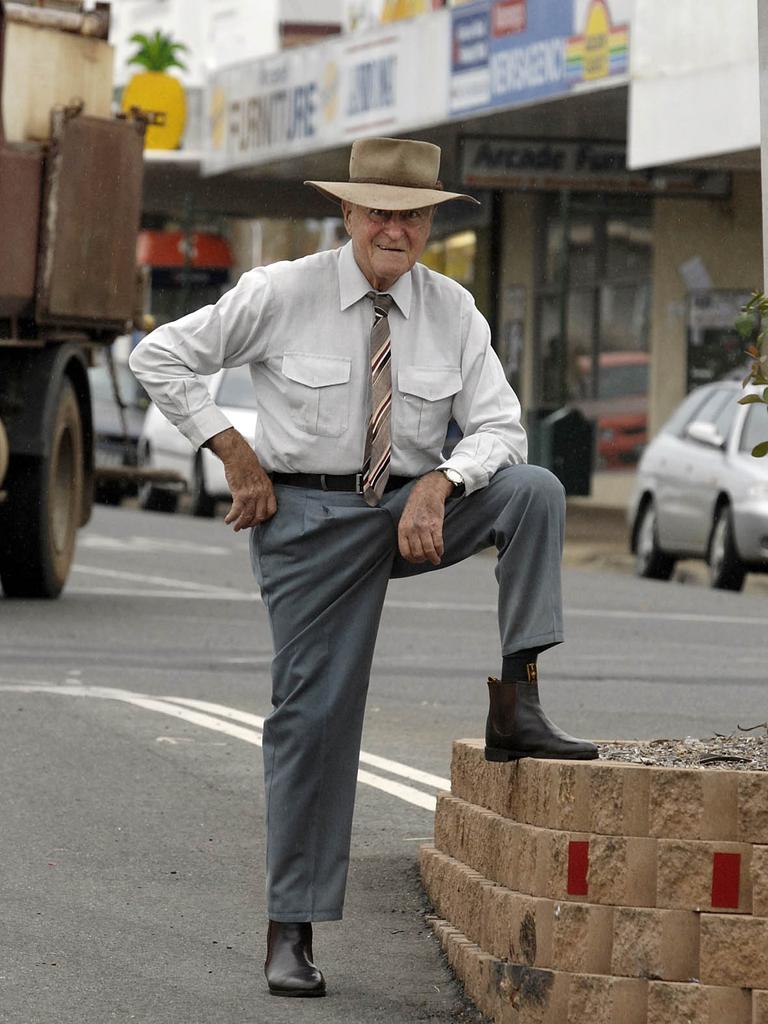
{"points": [[424, 407], [317, 391]]}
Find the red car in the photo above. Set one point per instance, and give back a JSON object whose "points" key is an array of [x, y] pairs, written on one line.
{"points": [[620, 411]]}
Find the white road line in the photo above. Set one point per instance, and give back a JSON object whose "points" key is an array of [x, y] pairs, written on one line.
{"points": [[177, 595], [163, 581], [208, 593], [149, 545], [612, 613], [383, 763], [398, 789], [173, 706]]}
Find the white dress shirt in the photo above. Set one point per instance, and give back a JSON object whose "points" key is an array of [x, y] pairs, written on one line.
{"points": [[304, 327]]}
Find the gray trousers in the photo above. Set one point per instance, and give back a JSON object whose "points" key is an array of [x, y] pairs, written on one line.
{"points": [[323, 563]]}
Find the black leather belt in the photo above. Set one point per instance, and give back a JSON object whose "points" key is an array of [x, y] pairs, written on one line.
{"points": [[329, 482]]}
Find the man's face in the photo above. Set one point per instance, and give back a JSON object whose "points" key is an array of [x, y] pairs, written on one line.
{"points": [[386, 243]]}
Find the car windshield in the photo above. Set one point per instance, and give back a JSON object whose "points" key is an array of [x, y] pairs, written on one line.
{"points": [[236, 389], [755, 427]]}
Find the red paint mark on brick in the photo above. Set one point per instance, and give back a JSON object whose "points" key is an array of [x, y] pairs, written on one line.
{"points": [[726, 877], [578, 868]]}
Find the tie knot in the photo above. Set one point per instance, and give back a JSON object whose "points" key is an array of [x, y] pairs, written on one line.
{"points": [[382, 302]]}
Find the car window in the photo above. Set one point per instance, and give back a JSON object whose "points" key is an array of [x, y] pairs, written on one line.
{"points": [[685, 411], [236, 389], [715, 404], [755, 427], [726, 416]]}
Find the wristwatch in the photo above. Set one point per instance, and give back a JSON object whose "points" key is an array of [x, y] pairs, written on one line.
{"points": [[456, 479]]}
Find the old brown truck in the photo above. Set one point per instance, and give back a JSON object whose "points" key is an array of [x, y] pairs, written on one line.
{"points": [[70, 203]]}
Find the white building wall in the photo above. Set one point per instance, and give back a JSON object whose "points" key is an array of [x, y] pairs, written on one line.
{"points": [[217, 32], [694, 89]]}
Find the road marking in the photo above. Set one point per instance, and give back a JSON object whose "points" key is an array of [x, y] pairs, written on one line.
{"points": [[163, 581], [224, 721], [382, 763], [189, 590], [205, 592], [612, 613], [177, 595], [136, 544]]}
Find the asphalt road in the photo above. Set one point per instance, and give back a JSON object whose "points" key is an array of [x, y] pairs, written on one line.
{"points": [[132, 801]]}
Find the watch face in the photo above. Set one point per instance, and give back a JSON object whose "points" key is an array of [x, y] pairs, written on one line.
{"points": [[455, 477]]}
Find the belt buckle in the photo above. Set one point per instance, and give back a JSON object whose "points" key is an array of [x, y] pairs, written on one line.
{"points": [[323, 486], [358, 483]]}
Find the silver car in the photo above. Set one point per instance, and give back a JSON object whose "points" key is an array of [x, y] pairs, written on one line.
{"points": [[700, 493], [161, 446]]}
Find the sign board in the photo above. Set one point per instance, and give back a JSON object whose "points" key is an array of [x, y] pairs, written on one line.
{"points": [[592, 166], [314, 97], [508, 52]]}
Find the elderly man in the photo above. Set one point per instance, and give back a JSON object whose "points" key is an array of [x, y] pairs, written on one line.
{"points": [[360, 358]]}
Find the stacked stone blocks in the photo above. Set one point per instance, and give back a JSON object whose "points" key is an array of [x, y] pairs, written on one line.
{"points": [[603, 892]]}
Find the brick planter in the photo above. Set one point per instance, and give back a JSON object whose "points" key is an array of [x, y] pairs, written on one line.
{"points": [[598, 892]]}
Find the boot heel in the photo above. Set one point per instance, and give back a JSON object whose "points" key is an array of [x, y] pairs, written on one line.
{"points": [[499, 754]]}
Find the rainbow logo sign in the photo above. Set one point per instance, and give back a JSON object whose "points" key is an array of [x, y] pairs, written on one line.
{"points": [[600, 51]]}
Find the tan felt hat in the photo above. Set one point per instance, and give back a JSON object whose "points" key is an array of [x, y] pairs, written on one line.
{"points": [[391, 174]]}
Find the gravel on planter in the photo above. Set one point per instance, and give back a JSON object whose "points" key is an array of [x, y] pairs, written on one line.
{"points": [[745, 750]]}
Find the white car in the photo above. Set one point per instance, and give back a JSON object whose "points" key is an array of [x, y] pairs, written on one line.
{"points": [[700, 493], [161, 446]]}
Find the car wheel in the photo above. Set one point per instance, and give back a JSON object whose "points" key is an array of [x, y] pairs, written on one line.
{"points": [[650, 561], [157, 499], [203, 504], [151, 498], [107, 492], [726, 570]]}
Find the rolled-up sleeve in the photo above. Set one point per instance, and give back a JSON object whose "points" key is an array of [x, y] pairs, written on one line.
{"points": [[171, 361], [486, 409]]}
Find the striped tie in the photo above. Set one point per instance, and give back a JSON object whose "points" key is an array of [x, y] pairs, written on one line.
{"points": [[378, 445]]}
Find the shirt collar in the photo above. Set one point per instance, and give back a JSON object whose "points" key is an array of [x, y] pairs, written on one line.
{"points": [[353, 284]]}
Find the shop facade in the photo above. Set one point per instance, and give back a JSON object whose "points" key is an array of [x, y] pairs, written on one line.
{"points": [[607, 269]]}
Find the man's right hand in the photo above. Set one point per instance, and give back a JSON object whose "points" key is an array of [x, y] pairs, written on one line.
{"points": [[253, 498]]}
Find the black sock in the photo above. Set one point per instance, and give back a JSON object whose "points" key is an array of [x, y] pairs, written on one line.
{"points": [[521, 666]]}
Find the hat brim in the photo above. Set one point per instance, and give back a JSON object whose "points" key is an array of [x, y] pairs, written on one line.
{"points": [[386, 197]]}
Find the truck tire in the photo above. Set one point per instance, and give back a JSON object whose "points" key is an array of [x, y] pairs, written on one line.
{"points": [[44, 507]]}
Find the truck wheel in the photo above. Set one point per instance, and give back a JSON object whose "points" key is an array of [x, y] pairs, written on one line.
{"points": [[46, 498]]}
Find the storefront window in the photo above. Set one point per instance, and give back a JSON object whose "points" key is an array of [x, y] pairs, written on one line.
{"points": [[454, 256], [597, 295]]}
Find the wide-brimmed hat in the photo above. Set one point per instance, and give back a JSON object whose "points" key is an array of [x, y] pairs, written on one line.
{"points": [[391, 174]]}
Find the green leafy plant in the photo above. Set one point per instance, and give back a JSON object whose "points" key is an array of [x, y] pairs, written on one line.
{"points": [[157, 52], [750, 325]]}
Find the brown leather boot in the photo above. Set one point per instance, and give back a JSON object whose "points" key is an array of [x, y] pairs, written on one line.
{"points": [[517, 727], [289, 968]]}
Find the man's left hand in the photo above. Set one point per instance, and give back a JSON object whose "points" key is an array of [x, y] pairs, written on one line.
{"points": [[420, 532]]}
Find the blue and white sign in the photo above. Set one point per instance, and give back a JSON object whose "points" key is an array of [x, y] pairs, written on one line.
{"points": [[470, 58], [508, 52], [503, 60]]}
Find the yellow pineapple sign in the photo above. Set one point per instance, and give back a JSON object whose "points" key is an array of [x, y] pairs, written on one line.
{"points": [[157, 92]]}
